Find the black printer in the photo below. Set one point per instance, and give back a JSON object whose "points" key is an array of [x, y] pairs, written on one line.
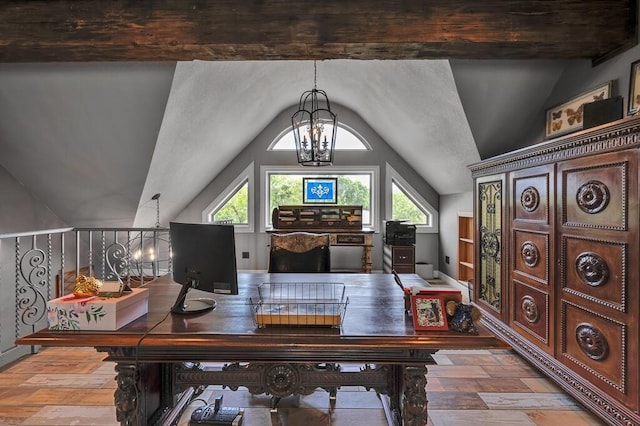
{"points": [[398, 233]]}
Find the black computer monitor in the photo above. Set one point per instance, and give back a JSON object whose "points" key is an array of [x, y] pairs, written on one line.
{"points": [[203, 258]]}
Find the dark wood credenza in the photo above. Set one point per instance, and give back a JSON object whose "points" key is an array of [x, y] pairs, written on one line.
{"points": [[401, 259], [557, 258], [154, 354]]}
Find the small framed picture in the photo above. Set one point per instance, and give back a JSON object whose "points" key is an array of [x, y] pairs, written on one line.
{"points": [[634, 88], [428, 312], [567, 117], [320, 190]]}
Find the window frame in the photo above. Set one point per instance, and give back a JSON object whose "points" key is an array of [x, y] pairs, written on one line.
{"points": [[246, 176], [391, 177], [365, 145], [267, 170]]}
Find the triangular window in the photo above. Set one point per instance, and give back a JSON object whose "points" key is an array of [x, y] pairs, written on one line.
{"points": [[236, 210], [234, 205], [404, 208], [405, 203]]}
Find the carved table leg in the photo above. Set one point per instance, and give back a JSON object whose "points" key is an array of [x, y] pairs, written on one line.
{"points": [[414, 407], [127, 395], [366, 259]]}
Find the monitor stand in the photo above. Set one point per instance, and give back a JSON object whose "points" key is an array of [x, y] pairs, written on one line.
{"points": [[184, 306]]}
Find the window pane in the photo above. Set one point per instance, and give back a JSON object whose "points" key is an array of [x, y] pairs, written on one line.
{"points": [[284, 190], [236, 210], [353, 189], [344, 140], [403, 208]]}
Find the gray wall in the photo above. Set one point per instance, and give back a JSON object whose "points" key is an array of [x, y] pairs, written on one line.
{"points": [[450, 207], [256, 151], [581, 77], [80, 136], [20, 210]]}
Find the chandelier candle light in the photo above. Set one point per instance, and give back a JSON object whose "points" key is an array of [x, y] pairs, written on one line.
{"points": [[314, 111]]}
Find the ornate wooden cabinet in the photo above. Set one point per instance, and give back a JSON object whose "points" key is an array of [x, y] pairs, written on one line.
{"points": [[559, 259]]}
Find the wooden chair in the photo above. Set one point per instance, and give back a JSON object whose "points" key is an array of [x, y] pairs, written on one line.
{"points": [[300, 252]]}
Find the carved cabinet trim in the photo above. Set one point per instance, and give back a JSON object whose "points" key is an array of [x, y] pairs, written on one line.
{"points": [[567, 293]]}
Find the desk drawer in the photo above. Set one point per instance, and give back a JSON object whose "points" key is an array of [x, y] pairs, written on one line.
{"points": [[400, 258], [403, 255]]}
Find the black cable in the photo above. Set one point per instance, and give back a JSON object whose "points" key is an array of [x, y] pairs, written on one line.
{"points": [[137, 359]]}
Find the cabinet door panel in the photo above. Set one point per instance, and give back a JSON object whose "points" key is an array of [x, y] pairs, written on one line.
{"points": [[594, 270], [531, 312], [531, 198], [530, 257], [595, 193], [490, 212], [594, 346]]}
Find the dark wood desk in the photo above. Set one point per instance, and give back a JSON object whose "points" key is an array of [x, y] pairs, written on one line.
{"points": [[344, 238], [153, 374]]}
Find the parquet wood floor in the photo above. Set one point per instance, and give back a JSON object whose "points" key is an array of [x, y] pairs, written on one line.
{"points": [[73, 386]]}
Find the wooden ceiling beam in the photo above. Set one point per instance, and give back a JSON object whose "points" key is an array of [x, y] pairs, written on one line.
{"points": [[180, 30]]}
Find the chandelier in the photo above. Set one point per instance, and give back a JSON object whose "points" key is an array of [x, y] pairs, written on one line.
{"points": [[313, 146]]}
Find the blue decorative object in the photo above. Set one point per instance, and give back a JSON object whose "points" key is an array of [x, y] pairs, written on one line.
{"points": [[462, 319], [320, 190]]}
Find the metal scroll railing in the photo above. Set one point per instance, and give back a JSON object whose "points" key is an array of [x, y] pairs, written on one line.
{"points": [[38, 266]]}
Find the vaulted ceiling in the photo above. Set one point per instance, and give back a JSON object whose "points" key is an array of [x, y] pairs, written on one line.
{"points": [[100, 126]]}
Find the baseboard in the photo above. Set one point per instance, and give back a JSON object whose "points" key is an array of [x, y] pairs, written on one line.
{"points": [[462, 286]]}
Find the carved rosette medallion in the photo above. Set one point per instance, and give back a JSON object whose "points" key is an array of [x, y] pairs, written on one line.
{"points": [[530, 199], [282, 380], [592, 341], [529, 253], [592, 197], [592, 269], [530, 309]]}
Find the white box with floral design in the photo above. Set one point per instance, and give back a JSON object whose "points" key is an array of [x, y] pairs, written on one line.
{"points": [[96, 313]]}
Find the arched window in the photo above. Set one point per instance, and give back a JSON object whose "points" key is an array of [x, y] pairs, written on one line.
{"points": [[346, 139]]}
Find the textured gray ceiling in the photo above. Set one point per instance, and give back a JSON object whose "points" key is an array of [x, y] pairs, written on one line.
{"points": [[95, 141]]}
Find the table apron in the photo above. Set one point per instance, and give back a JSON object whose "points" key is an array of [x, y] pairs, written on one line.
{"points": [[195, 354]]}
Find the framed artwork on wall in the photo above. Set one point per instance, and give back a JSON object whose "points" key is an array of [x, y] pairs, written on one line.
{"points": [[634, 88], [320, 190], [428, 312], [567, 117]]}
